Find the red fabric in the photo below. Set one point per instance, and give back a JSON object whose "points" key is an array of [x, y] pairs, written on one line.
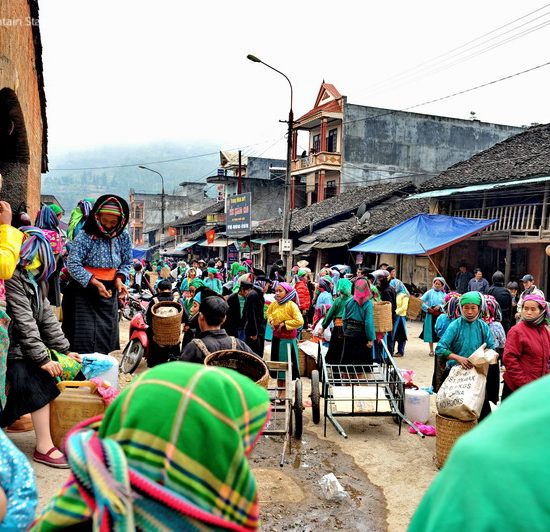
{"points": [[526, 354], [210, 236], [303, 295]]}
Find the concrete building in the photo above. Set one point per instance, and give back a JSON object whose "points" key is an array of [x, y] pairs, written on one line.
{"points": [[264, 178], [23, 126], [353, 145], [146, 209]]}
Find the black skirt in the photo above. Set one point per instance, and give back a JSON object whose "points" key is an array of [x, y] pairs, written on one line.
{"points": [[356, 351], [29, 389], [90, 322], [336, 346]]}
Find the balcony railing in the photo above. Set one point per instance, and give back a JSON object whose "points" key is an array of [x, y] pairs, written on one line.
{"points": [[317, 159], [523, 218]]}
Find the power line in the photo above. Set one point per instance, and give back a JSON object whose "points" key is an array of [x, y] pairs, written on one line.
{"points": [[443, 57]]}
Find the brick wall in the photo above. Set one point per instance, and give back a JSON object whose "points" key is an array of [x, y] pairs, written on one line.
{"points": [[22, 181]]}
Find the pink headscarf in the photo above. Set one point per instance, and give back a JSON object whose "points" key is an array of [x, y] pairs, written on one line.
{"points": [[361, 291]]}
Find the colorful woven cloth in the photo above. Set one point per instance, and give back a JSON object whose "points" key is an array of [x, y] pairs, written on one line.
{"points": [[47, 219], [175, 463], [78, 218], [36, 251], [115, 206]]}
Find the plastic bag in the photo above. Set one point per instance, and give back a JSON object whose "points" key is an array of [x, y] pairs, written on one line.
{"points": [[95, 364], [327, 333], [332, 489]]}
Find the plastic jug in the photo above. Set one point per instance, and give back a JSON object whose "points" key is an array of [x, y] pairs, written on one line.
{"points": [[417, 405], [78, 401]]}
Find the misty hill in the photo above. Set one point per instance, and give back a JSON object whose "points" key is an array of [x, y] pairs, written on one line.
{"points": [[74, 175]]}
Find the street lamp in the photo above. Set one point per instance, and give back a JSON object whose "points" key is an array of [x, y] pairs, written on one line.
{"points": [[285, 255], [161, 202]]}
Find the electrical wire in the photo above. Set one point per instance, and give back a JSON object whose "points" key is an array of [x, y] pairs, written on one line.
{"points": [[450, 54]]}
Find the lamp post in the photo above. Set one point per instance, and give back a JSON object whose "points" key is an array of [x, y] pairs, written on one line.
{"points": [[161, 202], [285, 255]]}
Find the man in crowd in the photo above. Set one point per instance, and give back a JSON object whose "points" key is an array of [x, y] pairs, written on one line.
{"points": [[212, 338], [529, 287], [463, 277]]}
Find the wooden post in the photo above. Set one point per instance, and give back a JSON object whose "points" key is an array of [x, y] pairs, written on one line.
{"points": [[508, 261], [543, 221]]}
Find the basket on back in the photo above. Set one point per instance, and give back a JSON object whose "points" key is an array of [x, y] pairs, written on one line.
{"points": [[167, 317], [414, 308], [382, 316], [246, 364]]}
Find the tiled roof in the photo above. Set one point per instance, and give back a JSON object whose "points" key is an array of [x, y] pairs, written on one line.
{"points": [[211, 209], [337, 207], [521, 156], [381, 219]]}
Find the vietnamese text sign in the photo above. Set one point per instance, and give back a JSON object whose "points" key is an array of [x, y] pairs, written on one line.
{"points": [[237, 215]]}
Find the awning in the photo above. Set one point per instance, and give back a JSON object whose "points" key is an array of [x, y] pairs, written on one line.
{"points": [[423, 234], [218, 243], [173, 252], [139, 253], [304, 248], [328, 245], [185, 245], [264, 241], [476, 188]]}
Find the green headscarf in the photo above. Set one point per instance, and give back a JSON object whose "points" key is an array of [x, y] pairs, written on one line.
{"points": [[139, 470], [196, 282], [471, 298], [344, 287]]}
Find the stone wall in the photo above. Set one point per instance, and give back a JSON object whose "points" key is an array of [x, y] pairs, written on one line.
{"points": [[18, 77]]}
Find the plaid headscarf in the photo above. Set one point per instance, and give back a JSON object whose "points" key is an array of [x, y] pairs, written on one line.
{"points": [[185, 468], [291, 294], [361, 291], [47, 219], [543, 304], [111, 206]]}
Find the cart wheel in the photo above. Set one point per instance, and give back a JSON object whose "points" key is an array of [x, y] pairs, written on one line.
{"points": [[315, 397], [131, 356], [298, 410]]}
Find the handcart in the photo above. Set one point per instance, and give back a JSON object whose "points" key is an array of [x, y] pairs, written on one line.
{"points": [[376, 389], [286, 405]]}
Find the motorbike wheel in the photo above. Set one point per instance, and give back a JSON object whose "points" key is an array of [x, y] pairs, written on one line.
{"points": [[131, 356]]}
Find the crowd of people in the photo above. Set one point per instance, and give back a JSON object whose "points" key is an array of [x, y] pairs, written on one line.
{"points": [[86, 272]]}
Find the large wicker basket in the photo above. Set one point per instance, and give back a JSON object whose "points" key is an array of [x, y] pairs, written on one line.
{"points": [[167, 329], [249, 365], [414, 308], [382, 316], [448, 431]]}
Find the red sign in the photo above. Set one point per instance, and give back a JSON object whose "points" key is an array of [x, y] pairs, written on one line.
{"points": [[210, 236], [172, 231]]}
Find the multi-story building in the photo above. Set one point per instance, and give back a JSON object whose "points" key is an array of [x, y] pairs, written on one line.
{"points": [[146, 209], [353, 145]]}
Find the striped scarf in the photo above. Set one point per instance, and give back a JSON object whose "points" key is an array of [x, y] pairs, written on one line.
{"points": [[185, 469], [47, 219], [291, 294], [111, 206], [37, 247]]}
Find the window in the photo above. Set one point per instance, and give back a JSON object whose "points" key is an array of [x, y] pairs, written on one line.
{"points": [[330, 189], [331, 140], [316, 144]]}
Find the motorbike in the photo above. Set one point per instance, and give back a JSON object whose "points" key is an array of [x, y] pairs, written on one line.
{"points": [[133, 304], [138, 346]]}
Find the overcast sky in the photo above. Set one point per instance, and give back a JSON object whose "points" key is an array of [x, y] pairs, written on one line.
{"points": [[136, 71]]}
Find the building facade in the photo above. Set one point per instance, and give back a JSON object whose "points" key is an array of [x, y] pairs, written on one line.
{"points": [[23, 125], [352, 145]]}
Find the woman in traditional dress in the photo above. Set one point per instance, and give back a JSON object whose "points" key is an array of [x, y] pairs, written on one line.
{"points": [[527, 349], [335, 315], [358, 326], [99, 263], [186, 469], [465, 335], [324, 299], [432, 305], [285, 319], [399, 334], [212, 281]]}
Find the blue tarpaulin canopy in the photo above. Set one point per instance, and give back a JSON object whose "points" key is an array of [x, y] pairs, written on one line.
{"points": [[423, 234], [138, 253]]}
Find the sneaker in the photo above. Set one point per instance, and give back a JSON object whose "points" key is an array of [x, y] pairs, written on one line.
{"points": [[46, 459], [431, 353], [398, 355]]}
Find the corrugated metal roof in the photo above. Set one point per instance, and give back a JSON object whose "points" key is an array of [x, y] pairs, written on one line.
{"points": [[475, 188]]}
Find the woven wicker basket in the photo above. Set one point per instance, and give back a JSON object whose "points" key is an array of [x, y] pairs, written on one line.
{"points": [[306, 334], [382, 316], [246, 364], [167, 329], [307, 363], [414, 308], [448, 431]]}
